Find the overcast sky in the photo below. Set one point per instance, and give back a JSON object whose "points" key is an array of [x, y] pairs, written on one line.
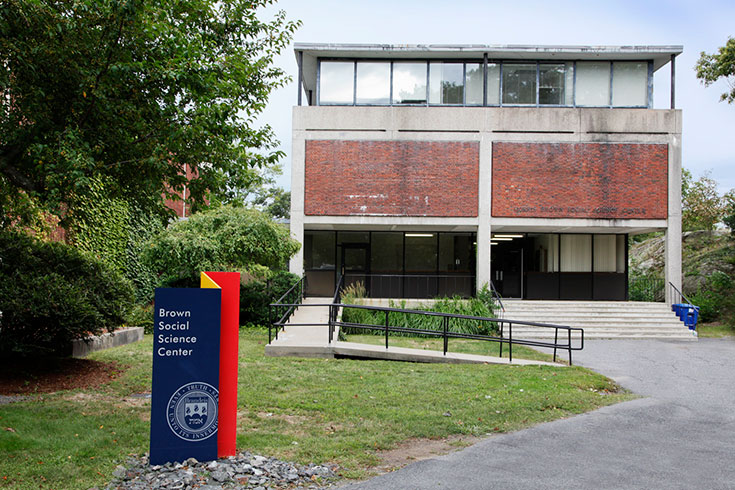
{"points": [[709, 125]]}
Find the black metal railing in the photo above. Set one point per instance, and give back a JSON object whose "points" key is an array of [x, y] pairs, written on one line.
{"points": [[413, 285], [644, 288], [676, 294], [506, 326], [498, 299], [285, 306]]}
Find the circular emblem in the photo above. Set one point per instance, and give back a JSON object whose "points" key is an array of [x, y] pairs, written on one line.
{"points": [[192, 411]]}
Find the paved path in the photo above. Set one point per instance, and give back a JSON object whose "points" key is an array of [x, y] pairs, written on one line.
{"points": [[681, 435]]}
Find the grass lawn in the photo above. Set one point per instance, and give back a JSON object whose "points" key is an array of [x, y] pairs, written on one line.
{"points": [[464, 346], [716, 330], [304, 410]]}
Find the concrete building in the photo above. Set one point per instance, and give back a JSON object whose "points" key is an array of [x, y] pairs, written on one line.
{"points": [[425, 170]]}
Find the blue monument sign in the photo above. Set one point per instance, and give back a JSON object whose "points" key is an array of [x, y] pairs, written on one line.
{"points": [[185, 397]]}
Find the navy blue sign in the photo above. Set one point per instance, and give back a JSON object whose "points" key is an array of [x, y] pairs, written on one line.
{"points": [[185, 375]]}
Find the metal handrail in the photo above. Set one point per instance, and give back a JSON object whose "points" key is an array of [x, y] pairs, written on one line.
{"points": [[496, 295], [446, 334], [291, 306], [681, 295]]}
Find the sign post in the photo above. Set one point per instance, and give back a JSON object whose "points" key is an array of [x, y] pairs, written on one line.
{"points": [[185, 400], [229, 284]]}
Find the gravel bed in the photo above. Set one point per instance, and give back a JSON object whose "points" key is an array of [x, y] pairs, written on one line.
{"points": [[244, 471]]}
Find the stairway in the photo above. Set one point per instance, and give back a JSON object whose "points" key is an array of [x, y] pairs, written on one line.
{"points": [[599, 319]]}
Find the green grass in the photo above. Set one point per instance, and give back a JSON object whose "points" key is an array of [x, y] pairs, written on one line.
{"points": [[305, 410], [464, 346], [715, 330]]}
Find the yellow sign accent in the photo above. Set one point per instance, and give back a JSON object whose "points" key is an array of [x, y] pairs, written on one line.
{"points": [[208, 283]]}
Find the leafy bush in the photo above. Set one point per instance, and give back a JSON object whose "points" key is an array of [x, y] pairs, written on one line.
{"points": [[482, 306], [645, 288], [52, 293], [715, 297], [225, 238], [256, 295]]}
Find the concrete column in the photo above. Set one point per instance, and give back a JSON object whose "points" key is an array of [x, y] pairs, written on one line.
{"points": [[673, 230], [298, 156], [483, 215]]}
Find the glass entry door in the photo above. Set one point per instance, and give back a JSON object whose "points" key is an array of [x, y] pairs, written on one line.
{"points": [[507, 268], [355, 263]]}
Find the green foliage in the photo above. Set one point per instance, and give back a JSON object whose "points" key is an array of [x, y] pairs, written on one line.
{"points": [[256, 295], [51, 294], [275, 201], [129, 92], [713, 67], [99, 224], [729, 210], [715, 297], [481, 306], [225, 238], [645, 288], [701, 206], [142, 227]]}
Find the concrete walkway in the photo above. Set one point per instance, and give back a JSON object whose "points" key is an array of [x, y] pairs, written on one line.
{"points": [[310, 338], [680, 435]]}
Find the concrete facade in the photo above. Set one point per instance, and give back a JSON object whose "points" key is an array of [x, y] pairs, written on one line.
{"points": [[648, 138]]}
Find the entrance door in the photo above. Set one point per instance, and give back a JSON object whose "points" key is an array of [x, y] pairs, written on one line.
{"points": [[355, 264], [507, 266]]}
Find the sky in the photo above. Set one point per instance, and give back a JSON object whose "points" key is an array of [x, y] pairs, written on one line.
{"points": [[708, 124]]}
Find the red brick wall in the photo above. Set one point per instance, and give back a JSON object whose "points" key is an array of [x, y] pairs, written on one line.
{"points": [[394, 178], [580, 180]]}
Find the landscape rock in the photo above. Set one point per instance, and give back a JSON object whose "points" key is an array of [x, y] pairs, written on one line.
{"points": [[244, 471]]}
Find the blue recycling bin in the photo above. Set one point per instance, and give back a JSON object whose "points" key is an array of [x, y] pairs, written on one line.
{"points": [[679, 308], [691, 317]]}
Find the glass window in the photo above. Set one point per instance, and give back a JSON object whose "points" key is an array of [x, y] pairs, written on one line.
{"points": [[621, 250], [569, 89], [420, 252], [386, 253], [519, 84], [551, 85], [630, 84], [605, 253], [409, 83], [593, 83], [455, 252], [336, 82], [545, 253], [446, 83], [493, 84], [373, 83], [319, 250], [353, 237], [473, 83], [576, 253]]}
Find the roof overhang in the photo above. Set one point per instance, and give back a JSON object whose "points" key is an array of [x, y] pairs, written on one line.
{"points": [[660, 55]]}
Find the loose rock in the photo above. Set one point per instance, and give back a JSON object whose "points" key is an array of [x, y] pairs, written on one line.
{"points": [[244, 471]]}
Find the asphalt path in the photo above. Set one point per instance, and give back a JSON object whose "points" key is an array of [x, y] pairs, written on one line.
{"points": [[679, 435]]}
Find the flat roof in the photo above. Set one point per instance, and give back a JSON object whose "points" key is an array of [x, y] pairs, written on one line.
{"points": [[660, 55]]}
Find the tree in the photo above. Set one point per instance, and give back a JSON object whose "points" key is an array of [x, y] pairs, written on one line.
{"points": [[128, 92], [713, 67], [224, 238], [701, 207], [729, 210], [275, 201]]}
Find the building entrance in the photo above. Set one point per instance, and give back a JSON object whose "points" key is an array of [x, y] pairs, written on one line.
{"points": [[507, 267]]}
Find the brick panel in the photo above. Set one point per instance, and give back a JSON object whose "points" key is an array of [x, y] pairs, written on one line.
{"points": [[580, 180], [391, 178]]}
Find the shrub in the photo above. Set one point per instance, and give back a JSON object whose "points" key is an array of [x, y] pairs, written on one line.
{"points": [[715, 297], [256, 295], [482, 306], [52, 293], [225, 238]]}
